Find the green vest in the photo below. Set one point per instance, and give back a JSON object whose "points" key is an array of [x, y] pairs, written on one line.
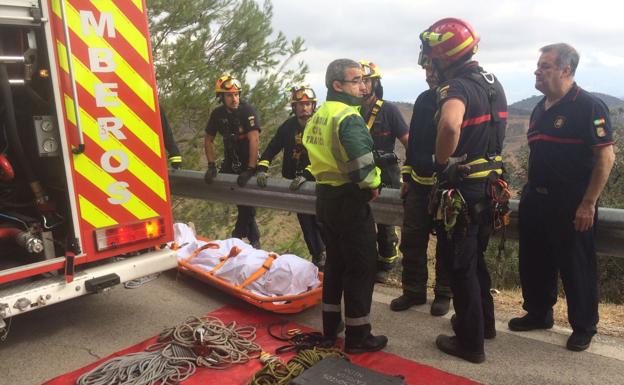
{"points": [[329, 162]]}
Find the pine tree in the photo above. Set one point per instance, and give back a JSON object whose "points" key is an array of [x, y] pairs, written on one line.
{"points": [[194, 42]]}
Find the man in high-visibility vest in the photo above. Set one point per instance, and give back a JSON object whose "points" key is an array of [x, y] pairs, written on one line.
{"points": [[385, 124], [341, 159]]}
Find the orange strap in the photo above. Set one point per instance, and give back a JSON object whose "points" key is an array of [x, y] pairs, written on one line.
{"points": [[258, 273], [208, 245], [234, 251]]}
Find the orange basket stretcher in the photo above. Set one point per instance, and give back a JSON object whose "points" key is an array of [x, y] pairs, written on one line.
{"points": [[285, 304]]}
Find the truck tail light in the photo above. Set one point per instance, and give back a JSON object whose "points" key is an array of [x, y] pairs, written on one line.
{"points": [[126, 234]]}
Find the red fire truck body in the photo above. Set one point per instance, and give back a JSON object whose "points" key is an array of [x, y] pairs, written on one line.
{"points": [[84, 195]]}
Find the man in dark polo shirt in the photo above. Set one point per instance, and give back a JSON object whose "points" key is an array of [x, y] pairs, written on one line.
{"points": [[418, 180], [238, 124], [472, 112], [571, 156], [385, 124]]}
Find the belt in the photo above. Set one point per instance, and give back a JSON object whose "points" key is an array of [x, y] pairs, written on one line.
{"points": [[481, 168]]}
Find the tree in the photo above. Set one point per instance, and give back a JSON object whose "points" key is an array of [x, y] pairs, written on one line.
{"points": [[194, 42]]}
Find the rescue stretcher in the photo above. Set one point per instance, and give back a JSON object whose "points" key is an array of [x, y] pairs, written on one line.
{"points": [[285, 304]]}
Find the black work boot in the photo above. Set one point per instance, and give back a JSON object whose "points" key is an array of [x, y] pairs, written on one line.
{"points": [[440, 305], [530, 322], [255, 244], [488, 333], [450, 345], [329, 339], [405, 301], [370, 343], [579, 341]]}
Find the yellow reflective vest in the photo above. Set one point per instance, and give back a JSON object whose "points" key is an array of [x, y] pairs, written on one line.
{"points": [[329, 160]]}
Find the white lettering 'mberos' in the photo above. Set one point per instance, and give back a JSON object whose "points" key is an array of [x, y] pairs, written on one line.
{"points": [[87, 18]]}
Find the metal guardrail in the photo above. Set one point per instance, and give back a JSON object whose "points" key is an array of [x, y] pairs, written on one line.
{"points": [[386, 209]]}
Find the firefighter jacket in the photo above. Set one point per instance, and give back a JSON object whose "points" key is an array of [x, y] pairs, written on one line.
{"points": [[288, 138]]}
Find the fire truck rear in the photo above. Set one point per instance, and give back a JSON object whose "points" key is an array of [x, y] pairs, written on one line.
{"points": [[84, 196]]}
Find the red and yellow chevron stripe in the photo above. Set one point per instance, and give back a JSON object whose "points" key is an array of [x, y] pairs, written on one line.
{"points": [[121, 175]]}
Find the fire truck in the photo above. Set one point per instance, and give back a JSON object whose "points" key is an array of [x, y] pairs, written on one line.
{"points": [[84, 195]]}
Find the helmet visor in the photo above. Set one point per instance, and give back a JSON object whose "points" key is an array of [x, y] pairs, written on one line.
{"points": [[232, 85], [301, 93], [423, 59]]}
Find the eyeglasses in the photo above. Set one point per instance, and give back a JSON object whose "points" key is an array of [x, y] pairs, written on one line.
{"points": [[357, 80]]}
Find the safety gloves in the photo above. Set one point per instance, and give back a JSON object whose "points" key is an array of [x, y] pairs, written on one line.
{"points": [[262, 175], [211, 173], [297, 182], [452, 172], [261, 178], [244, 176]]}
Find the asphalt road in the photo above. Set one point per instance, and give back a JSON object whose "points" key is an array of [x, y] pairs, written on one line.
{"points": [[58, 339]]}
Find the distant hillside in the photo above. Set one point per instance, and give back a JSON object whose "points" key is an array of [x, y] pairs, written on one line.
{"points": [[525, 106]]}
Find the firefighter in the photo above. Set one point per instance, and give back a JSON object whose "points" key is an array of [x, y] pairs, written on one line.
{"points": [[238, 124], [571, 155], [175, 158], [341, 159], [418, 179], [385, 124], [472, 111], [294, 166]]}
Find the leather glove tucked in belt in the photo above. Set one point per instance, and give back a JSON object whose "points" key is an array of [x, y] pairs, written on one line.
{"points": [[244, 176], [384, 159], [452, 172], [211, 173]]}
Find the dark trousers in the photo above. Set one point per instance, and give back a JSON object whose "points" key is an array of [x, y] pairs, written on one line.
{"points": [[549, 245], [463, 256], [387, 238], [417, 226], [311, 230], [350, 267], [246, 226]]}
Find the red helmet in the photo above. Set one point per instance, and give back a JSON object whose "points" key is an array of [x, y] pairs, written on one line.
{"points": [[448, 40]]}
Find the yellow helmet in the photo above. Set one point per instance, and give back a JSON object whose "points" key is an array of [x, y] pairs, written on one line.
{"points": [[369, 69], [228, 84], [302, 93]]}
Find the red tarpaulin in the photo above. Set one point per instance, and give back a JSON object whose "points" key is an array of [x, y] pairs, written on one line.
{"points": [[414, 373]]}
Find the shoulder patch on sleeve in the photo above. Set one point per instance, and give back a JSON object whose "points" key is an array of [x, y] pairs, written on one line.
{"points": [[252, 121], [443, 91]]}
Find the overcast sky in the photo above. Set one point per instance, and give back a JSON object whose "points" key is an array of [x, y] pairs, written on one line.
{"points": [[512, 31]]}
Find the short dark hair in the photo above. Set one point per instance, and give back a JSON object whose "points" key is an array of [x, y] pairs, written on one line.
{"points": [[336, 70], [566, 55]]}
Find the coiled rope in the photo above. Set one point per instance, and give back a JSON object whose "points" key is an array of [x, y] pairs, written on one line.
{"points": [[276, 372], [179, 350]]}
